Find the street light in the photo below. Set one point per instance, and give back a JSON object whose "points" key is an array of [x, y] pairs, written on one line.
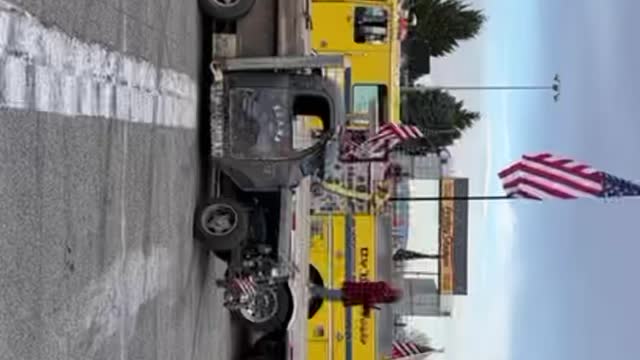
{"points": [[555, 87]]}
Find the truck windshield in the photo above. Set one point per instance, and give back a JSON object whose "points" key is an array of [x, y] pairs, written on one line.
{"points": [[269, 124]]}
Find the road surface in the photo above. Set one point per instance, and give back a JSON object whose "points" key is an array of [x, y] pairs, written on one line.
{"points": [[99, 169]]}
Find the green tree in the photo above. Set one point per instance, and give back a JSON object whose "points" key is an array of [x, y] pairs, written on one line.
{"points": [[441, 117], [417, 59], [443, 23]]}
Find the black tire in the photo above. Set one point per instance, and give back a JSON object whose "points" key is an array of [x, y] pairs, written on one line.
{"points": [[278, 320], [233, 11], [222, 242], [314, 303], [259, 228], [258, 234], [269, 347]]}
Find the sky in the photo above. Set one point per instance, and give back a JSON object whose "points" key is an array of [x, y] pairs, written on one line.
{"points": [[552, 280]]}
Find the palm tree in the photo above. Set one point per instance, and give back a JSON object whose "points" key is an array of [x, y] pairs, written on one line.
{"points": [[441, 117], [443, 23]]}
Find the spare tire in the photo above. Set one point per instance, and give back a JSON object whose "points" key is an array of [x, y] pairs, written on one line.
{"points": [[222, 224], [226, 9]]}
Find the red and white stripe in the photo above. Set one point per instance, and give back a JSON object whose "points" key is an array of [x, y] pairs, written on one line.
{"points": [[546, 176], [403, 349], [245, 285], [349, 146], [390, 135]]}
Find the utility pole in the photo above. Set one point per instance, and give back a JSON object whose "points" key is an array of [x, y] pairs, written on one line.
{"points": [[421, 273], [554, 87]]}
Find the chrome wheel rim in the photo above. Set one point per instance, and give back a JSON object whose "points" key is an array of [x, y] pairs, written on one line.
{"points": [[262, 307], [219, 219]]}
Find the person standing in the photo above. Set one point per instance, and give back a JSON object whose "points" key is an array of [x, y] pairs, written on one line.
{"points": [[365, 293]]}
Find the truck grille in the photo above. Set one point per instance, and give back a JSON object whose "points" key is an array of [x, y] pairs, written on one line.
{"points": [[216, 118]]}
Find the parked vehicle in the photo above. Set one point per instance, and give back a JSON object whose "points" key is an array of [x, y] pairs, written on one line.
{"points": [[262, 153]]}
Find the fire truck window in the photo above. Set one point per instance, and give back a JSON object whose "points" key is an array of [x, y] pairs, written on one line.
{"points": [[371, 25], [366, 95]]}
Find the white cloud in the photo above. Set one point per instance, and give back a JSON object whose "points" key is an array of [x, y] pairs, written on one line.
{"points": [[499, 306], [481, 325], [481, 329], [488, 170], [506, 108], [506, 223]]}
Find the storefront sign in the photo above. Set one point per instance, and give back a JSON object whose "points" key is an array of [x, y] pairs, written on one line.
{"points": [[447, 236]]}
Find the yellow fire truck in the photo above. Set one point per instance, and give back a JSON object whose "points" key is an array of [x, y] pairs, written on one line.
{"points": [[344, 245]]}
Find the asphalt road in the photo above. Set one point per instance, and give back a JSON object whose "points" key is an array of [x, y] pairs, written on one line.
{"points": [[97, 259]]}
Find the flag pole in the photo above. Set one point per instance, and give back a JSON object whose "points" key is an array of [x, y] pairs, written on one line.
{"points": [[454, 198]]}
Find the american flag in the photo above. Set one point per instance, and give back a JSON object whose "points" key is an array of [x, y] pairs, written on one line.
{"points": [[349, 144], [390, 135], [244, 285], [402, 349], [548, 176]]}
